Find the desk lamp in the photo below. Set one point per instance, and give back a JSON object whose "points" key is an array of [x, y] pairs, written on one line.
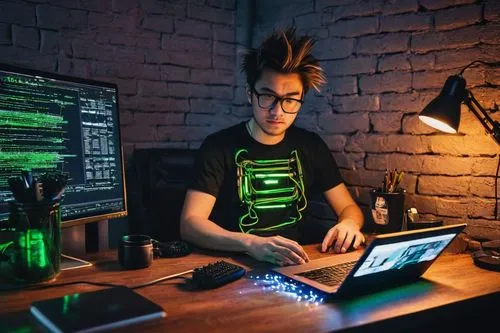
{"points": [[443, 113]]}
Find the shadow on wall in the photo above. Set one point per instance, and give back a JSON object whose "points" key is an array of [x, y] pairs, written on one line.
{"points": [[156, 186]]}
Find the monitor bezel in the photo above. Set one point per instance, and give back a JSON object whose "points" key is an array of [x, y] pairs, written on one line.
{"points": [[73, 79]]}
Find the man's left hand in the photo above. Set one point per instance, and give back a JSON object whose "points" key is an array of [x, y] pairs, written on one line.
{"points": [[341, 236]]}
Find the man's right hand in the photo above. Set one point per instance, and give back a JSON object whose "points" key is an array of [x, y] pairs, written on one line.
{"points": [[276, 250]]}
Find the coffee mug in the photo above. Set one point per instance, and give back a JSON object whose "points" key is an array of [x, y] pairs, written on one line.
{"points": [[135, 251]]}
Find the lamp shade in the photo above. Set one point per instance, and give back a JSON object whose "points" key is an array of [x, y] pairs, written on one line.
{"points": [[443, 112]]}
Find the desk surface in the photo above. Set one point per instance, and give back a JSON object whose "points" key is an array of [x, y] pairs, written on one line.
{"points": [[453, 286]]}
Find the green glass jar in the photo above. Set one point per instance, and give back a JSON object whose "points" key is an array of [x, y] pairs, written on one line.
{"points": [[36, 245]]}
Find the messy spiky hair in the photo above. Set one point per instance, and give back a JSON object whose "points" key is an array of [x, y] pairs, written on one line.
{"points": [[285, 53]]}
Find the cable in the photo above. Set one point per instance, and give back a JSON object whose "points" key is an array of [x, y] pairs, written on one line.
{"points": [[161, 279], [4, 246], [496, 189], [472, 63], [100, 284], [103, 284]]}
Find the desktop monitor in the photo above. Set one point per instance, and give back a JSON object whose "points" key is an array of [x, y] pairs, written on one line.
{"points": [[50, 122]]}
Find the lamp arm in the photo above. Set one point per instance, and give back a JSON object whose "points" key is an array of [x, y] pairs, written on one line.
{"points": [[492, 126]]}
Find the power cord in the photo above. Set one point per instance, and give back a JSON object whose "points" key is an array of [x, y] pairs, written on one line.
{"points": [[473, 63], [161, 279], [99, 284], [205, 277], [496, 189], [171, 249]]}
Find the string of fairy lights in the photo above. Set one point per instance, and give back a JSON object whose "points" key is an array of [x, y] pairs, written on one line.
{"points": [[278, 284]]}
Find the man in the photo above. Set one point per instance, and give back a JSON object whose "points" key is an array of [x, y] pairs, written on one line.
{"points": [[251, 182]]}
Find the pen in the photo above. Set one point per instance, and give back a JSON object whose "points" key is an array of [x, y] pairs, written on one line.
{"points": [[398, 180], [392, 179], [387, 181]]}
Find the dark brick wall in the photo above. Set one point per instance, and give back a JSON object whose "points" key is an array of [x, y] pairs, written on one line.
{"points": [[385, 60], [176, 63], [174, 60]]}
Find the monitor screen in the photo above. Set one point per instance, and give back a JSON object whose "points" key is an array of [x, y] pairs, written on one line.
{"points": [[55, 123]]}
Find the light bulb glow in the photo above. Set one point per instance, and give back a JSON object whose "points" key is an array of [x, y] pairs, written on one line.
{"points": [[437, 124]]}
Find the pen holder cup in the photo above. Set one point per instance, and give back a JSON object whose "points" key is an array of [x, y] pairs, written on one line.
{"points": [[387, 211], [36, 243]]}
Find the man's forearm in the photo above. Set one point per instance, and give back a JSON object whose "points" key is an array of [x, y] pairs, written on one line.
{"points": [[352, 213], [207, 234]]}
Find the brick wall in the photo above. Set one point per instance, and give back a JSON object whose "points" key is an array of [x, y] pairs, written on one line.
{"points": [[174, 60], [384, 61], [176, 63]]}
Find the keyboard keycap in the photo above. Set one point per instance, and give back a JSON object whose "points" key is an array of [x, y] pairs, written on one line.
{"points": [[329, 275]]}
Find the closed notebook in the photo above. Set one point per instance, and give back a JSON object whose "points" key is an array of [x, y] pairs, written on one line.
{"points": [[95, 311]]}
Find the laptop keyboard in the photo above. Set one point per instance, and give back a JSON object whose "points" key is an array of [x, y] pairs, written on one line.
{"points": [[330, 275]]}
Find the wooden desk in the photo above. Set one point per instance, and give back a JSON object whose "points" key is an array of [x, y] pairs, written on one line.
{"points": [[453, 292]]}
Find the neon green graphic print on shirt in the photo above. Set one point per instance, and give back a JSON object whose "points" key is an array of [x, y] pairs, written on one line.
{"points": [[269, 185], [264, 190]]}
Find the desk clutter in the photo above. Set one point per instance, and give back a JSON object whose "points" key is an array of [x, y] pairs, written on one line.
{"points": [[414, 221], [110, 308], [33, 227], [392, 180], [259, 304], [138, 251], [387, 204]]}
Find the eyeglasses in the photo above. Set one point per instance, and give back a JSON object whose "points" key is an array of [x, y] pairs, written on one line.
{"points": [[269, 101]]}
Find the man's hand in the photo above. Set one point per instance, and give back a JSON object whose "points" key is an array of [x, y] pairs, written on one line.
{"points": [[277, 250], [342, 235]]}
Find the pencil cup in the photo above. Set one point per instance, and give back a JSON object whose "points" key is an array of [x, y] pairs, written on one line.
{"points": [[387, 211], [36, 251]]}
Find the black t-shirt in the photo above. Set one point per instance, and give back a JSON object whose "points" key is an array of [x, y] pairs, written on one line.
{"points": [[263, 189]]}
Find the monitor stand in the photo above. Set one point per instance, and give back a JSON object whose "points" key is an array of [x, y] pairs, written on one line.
{"points": [[68, 262], [80, 240]]}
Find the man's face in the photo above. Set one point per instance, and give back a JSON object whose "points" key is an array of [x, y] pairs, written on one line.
{"points": [[273, 122]]}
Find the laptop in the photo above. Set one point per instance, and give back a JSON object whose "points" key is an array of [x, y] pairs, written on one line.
{"points": [[389, 260]]}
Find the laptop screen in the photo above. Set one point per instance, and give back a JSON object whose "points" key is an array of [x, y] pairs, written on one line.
{"points": [[398, 255]]}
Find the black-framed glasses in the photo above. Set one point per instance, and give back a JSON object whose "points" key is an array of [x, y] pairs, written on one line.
{"points": [[269, 101]]}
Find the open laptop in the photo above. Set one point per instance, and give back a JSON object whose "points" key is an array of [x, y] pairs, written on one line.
{"points": [[389, 260]]}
